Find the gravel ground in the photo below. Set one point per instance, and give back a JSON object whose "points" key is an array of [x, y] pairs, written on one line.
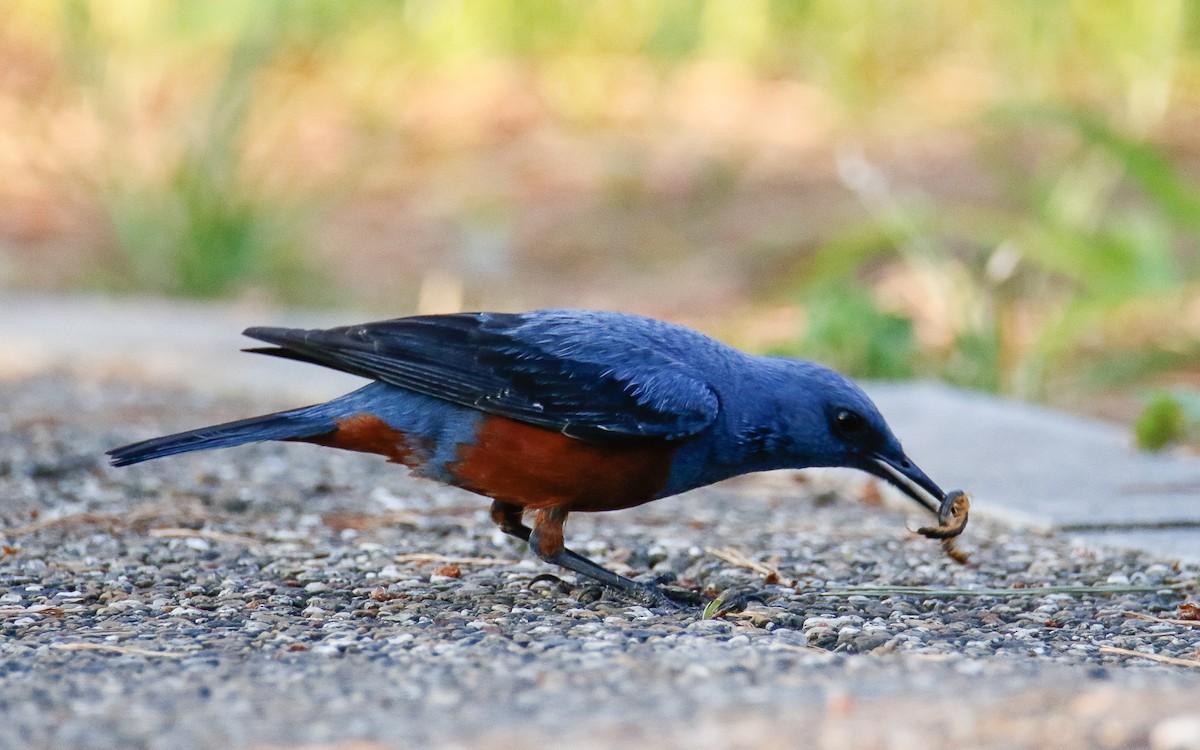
{"points": [[284, 596]]}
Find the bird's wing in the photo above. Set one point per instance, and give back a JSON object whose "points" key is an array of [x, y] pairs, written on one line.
{"points": [[552, 370]]}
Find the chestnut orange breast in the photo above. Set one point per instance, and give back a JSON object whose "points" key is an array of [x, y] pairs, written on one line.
{"points": [[534, 467]]}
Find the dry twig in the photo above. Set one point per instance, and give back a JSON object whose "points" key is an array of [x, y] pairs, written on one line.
{"points": [[1163, 620], [116, 649], [737, 558], [67, 520], [215, 536], [139, 519], [43, 610], [428, 557], [1153, 657], [934, 592]]}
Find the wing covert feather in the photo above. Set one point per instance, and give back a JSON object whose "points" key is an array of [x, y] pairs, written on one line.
{"points": [[593, 376]]}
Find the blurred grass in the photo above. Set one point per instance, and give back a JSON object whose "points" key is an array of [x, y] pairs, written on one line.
{"points": [[1002, 195], [195, 221], [1094, 250]]}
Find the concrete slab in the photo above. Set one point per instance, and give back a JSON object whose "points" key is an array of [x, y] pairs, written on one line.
{"points": [[1021, 461], [1045, 467], [189, 344]]}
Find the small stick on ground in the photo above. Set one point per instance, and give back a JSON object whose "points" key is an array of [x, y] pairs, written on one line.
{"points": [[428, 557], [926, 591], [139, 519], [215, 536], [371, 521], [1153, 657], [116, 649], [67, 520], [44, 611], [1163, 620], [739, 559]]}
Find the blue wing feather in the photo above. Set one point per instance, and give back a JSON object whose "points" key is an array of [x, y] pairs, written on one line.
{"points": [[591, 375]]}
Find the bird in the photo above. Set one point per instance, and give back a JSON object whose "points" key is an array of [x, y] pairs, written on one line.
{"points": [[557, 411]]}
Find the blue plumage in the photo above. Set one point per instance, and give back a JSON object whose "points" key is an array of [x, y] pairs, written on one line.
{"points": [[567, 410], [285, 425], [592, 375]]}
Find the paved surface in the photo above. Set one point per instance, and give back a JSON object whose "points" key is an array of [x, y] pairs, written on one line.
{"points": [[278, 596], [1041, 467], [157, 341], [274, 596]]}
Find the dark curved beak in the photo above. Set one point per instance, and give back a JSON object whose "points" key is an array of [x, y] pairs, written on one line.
{"points": [[903, 474]]}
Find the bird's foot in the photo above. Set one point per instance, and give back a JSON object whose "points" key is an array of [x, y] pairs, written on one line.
{"points": [[661, 593], [653, 593], [672, 598]]}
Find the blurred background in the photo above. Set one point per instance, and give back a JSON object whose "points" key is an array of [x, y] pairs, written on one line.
{"points": [[1003, 196]]}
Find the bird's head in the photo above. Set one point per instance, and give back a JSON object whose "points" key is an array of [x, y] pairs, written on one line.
{"points": [[832, 422]]}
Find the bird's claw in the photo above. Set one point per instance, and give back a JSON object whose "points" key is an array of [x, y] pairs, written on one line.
{"points": [[590, 593], [668, 597], [663, 579], [651, 594]]}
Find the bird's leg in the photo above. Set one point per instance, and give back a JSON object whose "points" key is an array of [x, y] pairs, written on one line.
{"points": [[508, 517], [546, 541], [549, 547]]}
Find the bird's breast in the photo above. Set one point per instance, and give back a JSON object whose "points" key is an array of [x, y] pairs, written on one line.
{"points": [[538, 468]]}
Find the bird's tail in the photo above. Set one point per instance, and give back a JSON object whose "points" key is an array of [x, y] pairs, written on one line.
{"points": [[285, 425]]}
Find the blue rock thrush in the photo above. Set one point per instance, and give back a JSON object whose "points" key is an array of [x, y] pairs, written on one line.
{"points": [[555, 411]]}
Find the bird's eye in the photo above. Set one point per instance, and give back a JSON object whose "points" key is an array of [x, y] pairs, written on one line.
{"points": [[849, 422]]}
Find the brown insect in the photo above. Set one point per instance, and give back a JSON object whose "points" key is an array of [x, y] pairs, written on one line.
{"points": [[952, 519]]}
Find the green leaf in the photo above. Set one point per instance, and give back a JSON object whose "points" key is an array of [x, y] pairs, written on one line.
{"points": [[711, 609]]}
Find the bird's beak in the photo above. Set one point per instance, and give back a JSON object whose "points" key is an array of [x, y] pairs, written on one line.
{"points": [[908, 478]]}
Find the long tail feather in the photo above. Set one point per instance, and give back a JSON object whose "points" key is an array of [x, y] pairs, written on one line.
{"points": [[299, 423]]}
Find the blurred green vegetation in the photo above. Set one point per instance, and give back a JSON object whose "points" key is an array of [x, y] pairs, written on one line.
{"points": [[1161, 423], [1015, 204], [1168, 417], [1088, 246], [847, 330]]}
